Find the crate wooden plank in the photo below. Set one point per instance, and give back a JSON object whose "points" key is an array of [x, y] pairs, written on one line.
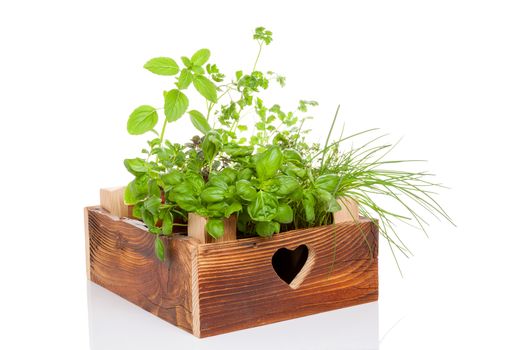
{"points": [[214, 288], [349, 211], [238, 287], [197, 230], [112, 199], [122, 259]]}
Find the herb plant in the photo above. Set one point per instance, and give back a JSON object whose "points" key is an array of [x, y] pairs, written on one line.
{"points": [[252, 160]]}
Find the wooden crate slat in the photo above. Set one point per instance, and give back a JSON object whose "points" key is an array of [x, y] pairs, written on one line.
{"points": [[122, 259], [214, 288], [234, 298]]}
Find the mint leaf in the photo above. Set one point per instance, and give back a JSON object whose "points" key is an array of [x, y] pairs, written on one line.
{"points": [[142, 120], [175, 104], [200, 57], [205, 87], [198, 120], [186, 61], [162, 66], [185, 79]]}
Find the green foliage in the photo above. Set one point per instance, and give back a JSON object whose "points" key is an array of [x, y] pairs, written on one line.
{"points": [[142, 120], [162, 66], [175, 104], [200, 57], [160, 250], [199, 121], [268, 163], [263, 35], [263, 171], [215, 227], [205, 87]]}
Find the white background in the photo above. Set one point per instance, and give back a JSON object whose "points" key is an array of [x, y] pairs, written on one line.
{"points": [[447, 76]]}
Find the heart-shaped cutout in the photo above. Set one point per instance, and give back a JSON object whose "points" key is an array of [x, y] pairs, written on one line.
{"points": [[289, 265]]}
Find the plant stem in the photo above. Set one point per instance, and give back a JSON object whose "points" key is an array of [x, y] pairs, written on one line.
{"points": [[329, 135], [163, 130], [258, 55], [210, 106]]}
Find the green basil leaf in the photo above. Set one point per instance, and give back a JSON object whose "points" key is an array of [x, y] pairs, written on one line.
{"points": [[212, 195], [216, 209], [269, 162], [142, 120], [246, 190], [199, 122], [211, 145], [238, 151], [148, 218], [153, 188], [196, 181], [205, 87], [152, 204], [167, 224], [284, 214], [245, 174], [172, 178], [136, 166], [218, 181], [293, 156], [137, 210], [162, 66], [270, 185], [159, 248], [229, 174], [175, 104], [286, 185], [200, 57], [267, 229], [232, 208], [136, 190], [264, 207], [185, 79], [215, 227], [186, 201], [309, 206], [328, 182], [297, 195], [242, 221], [295, 171], [329, 201], [182, 188]]}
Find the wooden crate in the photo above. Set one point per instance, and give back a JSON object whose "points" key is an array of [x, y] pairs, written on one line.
{"points": [[214, 288]]}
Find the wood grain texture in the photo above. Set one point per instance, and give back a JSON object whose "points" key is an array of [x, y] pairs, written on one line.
{"points": [[238, 287], [214, 288], [349, 211], [122, 260], [197, 229], [112, 199]]}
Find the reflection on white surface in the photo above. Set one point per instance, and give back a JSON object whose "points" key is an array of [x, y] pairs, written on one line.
{"points": [[115, 323]]}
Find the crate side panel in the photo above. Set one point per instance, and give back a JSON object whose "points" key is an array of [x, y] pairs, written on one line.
{"points": [[238, 287], [122, 260]]}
